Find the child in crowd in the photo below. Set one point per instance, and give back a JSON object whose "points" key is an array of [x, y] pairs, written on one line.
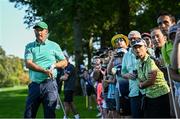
{"points": [[98, 76]]}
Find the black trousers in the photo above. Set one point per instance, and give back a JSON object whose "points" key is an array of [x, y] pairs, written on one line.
{"points": [[157, 107]]}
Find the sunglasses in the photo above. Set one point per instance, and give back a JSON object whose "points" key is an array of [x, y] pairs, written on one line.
{"points": [[136, 41], [118, 40]]}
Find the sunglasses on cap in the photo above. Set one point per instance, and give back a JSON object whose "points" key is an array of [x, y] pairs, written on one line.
{"points": [[137, 41], [118, 40]]}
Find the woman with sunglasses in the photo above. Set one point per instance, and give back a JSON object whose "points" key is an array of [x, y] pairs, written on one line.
{"points": [[120, 44]]}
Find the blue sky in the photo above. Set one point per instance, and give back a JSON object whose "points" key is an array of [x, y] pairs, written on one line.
{"points": [[13, 33]]}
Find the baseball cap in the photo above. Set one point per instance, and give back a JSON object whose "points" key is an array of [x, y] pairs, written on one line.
{"points": [[134, 33], [117, 36], [41, 24], [138, 42]]}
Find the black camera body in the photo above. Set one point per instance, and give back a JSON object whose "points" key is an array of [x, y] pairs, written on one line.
{"points": [[118, 72], [120, 54], [136, 73]]}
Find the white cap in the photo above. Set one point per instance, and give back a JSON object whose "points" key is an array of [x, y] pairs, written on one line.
{"points": [[134, 33], [139, 42]]}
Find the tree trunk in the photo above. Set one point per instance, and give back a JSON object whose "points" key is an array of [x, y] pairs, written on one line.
{"points": [[124, 16], [77, 46]]}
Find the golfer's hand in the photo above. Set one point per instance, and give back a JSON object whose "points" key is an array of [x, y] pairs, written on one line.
{"points": [[49, 73], [52, 67]]}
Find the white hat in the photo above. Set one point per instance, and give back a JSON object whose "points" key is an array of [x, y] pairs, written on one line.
{"points": [[134, 33]]}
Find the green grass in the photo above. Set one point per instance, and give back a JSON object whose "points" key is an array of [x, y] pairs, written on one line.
{"points": [[12, 104]]}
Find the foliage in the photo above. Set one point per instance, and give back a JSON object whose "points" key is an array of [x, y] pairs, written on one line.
{"points": [[146, 15], [73, 21], [11, 71]]}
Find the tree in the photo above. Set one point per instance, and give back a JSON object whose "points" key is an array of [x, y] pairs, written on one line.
{"points": [[11, 71], [73, 21]]}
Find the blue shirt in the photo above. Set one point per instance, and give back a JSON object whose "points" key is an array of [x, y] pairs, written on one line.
{"points": [[69, 84], [111, 90], [44, 55]]}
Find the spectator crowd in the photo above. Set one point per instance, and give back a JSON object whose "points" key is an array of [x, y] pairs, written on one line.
{"points": [[139, 76]]}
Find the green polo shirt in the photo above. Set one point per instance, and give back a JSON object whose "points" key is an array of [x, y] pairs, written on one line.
{"points": [[44, 55], [166, 51], [160, 86]]}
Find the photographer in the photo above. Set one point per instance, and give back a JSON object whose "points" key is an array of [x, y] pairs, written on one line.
{"points": [[120, 43]]}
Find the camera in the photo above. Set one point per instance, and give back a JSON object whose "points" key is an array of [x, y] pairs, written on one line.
{"points": [[118, 72], [136, 73], [120, 52]]}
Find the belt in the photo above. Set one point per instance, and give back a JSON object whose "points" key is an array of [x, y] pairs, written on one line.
{"points": [[47, 80]]}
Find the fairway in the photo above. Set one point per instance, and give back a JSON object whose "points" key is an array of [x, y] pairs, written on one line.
{"points": [[12, 103]]}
